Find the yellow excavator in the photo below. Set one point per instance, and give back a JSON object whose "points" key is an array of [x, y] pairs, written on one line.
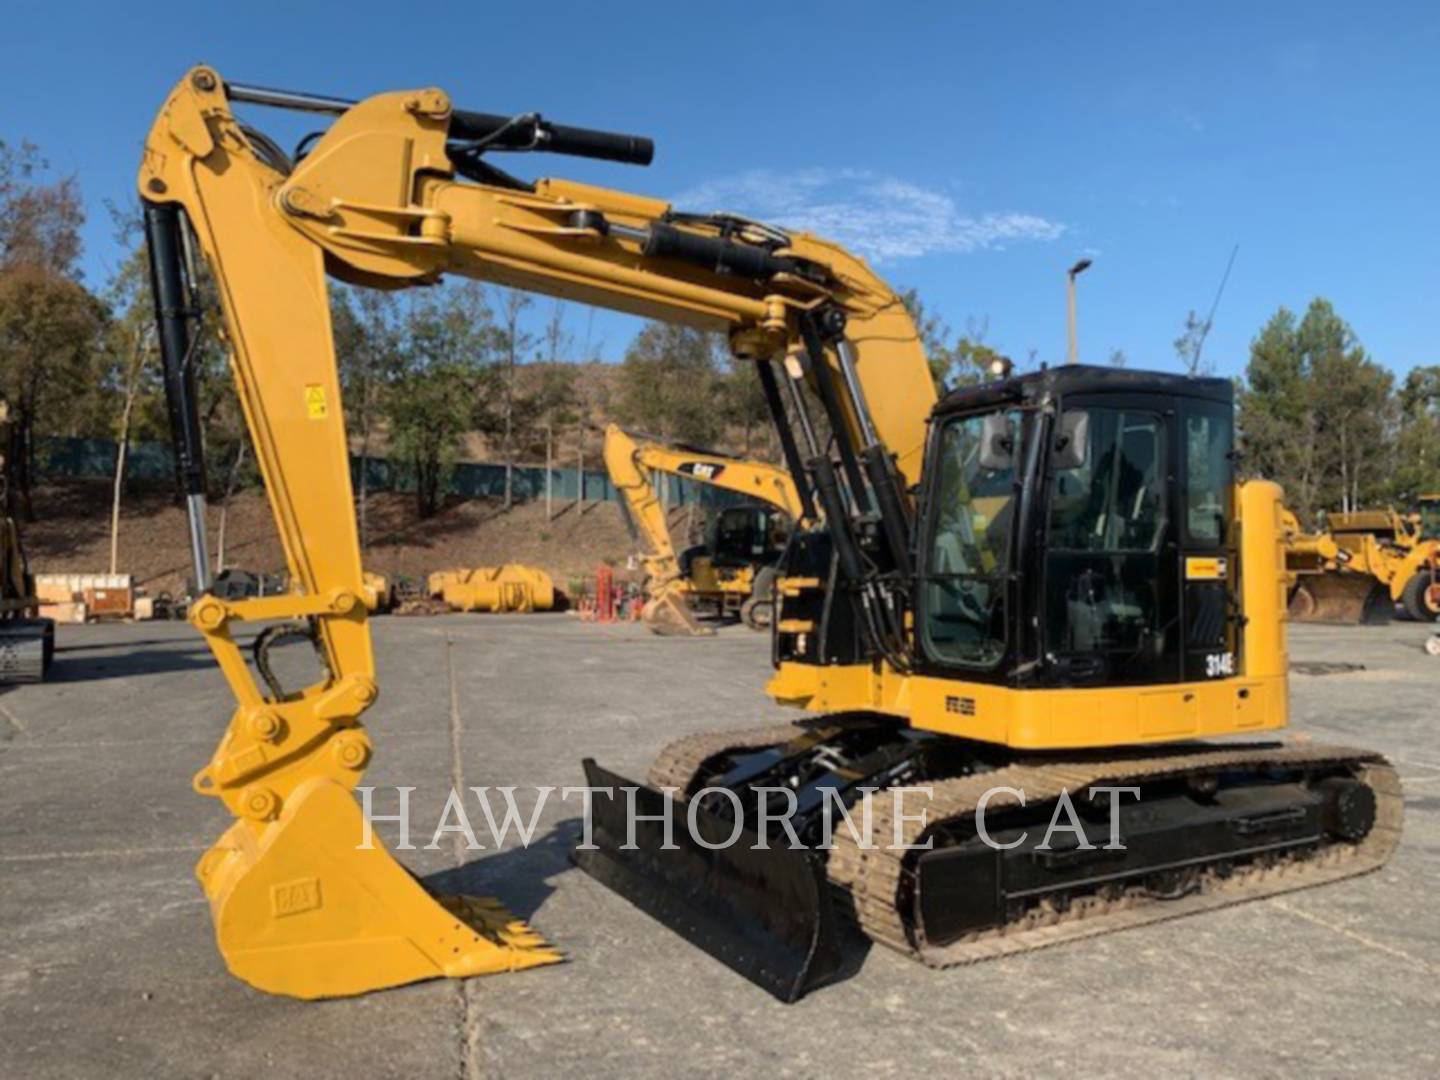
{"points": [[734, 571], [1030, 597]]}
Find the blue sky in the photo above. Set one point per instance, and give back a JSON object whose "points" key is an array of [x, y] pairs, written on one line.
{"points": [[972, 150]]}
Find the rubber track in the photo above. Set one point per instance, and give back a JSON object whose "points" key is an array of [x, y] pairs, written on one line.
{"points": [[873, 879], [677, 763]]}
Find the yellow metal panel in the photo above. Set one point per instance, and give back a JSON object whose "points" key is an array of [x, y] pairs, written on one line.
{"points": [[1168, 714], [1263, 579], [1040, 719]]}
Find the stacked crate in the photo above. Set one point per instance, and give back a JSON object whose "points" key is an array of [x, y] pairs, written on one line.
{"points": [[78, 598]]}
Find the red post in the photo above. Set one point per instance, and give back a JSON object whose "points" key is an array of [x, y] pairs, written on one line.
{"points": [[604, 594]]}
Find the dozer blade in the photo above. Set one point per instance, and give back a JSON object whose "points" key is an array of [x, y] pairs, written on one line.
{"points": [[302, 909], [669, 616], [767, 913], [1347, 599]]}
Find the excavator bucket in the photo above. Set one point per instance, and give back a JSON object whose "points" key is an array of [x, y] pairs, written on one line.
{"points": [[303, 908], [1347, 599], [765, 912], [668, 615]]}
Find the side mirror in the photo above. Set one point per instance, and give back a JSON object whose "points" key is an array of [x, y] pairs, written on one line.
{"points": [[1072, 441], [997, 443]]}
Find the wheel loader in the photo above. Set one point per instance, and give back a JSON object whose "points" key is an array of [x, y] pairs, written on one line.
{"points": [[1042, 593], [733, 572], [1361, 566]]}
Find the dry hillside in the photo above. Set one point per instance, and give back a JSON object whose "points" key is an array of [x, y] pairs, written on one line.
{"points": [[71, 535]]}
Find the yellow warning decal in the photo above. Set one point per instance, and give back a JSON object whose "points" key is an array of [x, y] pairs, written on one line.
{"points": [[1205, 568], [315, 405]]}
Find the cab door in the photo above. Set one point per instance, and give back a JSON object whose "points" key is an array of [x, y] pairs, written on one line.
{"points": [[1111, 594], [1207, 565]]}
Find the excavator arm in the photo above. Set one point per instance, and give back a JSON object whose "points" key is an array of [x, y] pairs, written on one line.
{"points": [[396, 194], [633, 464]]}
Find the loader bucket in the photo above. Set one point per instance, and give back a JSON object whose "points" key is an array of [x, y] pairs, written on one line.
{"points": [[669, 616], [1348, 599], [302, 909], [766, 913]]}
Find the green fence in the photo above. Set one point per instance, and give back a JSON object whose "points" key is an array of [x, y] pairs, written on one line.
{"points": [[59, 457]]}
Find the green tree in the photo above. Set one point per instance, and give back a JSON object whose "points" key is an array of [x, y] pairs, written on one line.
{"points": [[368, 355], [549, 402], [40, 220], [50, 324], [671, 384], [1355, 410], [1316, 413], [1189, 346], [131, 371], [934, 334], [50, 334], [965, 360], [746, 408], [515, 343], [975, 362], [1417, 443], [444, 361], [229, 463]]}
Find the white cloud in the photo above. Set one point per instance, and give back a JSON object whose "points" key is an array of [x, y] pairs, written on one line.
{"points": [[878, 216]]}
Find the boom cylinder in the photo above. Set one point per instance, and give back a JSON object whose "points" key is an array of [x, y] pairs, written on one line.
{"points": [[525, 132], [172, 312]]}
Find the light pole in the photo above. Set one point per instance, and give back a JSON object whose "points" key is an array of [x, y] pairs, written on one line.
{"points": [[1075, 271]]}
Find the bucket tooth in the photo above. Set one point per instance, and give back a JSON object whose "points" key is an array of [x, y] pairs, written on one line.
{"points": [[302, 908]]}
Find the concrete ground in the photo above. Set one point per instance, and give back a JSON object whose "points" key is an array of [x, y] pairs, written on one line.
{"points": [[108, 967]]}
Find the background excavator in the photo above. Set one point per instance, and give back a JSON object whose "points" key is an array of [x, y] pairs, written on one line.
{"points": [[1047, 584], [733, 572]]}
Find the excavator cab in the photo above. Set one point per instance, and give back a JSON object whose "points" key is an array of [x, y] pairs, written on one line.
{"points": [[742, 536], [1074, 529], [1104, 548], [738, 536]]}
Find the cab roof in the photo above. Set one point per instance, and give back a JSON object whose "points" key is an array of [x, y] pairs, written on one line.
{"points": [[1084, 379]]}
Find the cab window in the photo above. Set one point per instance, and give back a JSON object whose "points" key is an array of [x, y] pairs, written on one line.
{"points": [[1107, 521], [1207, 473], [969, 554]]}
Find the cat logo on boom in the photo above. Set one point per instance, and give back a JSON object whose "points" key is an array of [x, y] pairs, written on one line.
{"points": [[701, 470]]}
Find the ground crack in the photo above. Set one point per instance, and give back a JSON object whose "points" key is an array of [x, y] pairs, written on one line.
{"points": [[465, 1002]]}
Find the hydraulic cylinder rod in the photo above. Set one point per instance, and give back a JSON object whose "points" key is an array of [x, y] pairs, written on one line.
{"points": [[172, 312]]}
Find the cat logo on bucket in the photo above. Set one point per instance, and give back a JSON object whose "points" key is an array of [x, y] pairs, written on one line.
{"points": [[295, 897]]}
